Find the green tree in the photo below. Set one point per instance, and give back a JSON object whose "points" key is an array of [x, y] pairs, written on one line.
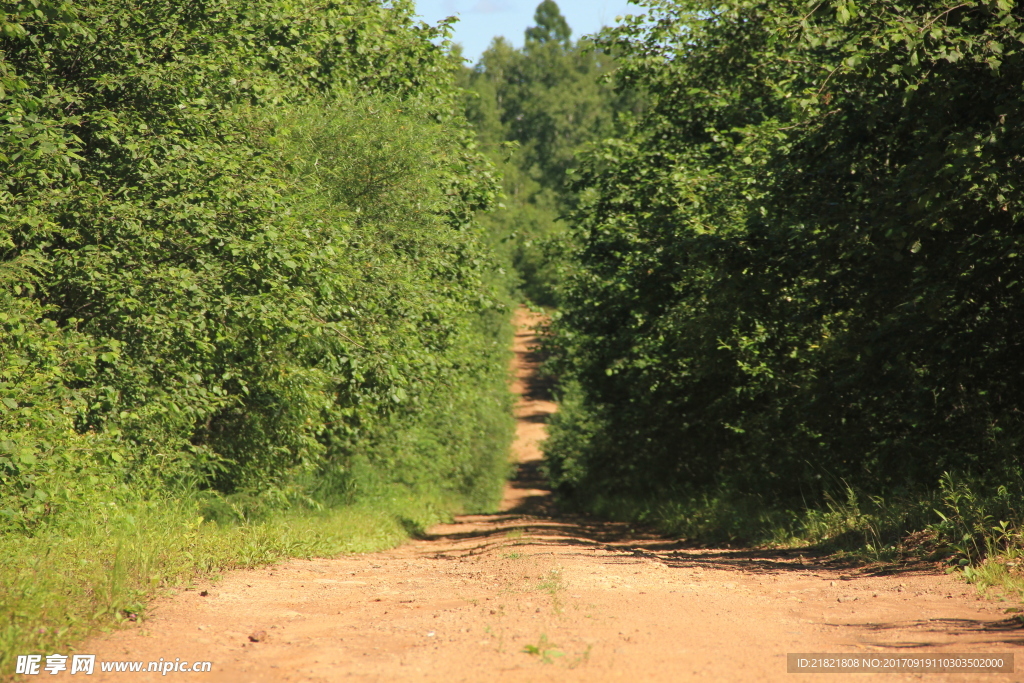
{"points": [[551, 100], [800, 265], [204, 307], [551, 26]]}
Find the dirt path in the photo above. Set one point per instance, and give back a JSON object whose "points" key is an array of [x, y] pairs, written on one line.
{"points": [[527, 595]]}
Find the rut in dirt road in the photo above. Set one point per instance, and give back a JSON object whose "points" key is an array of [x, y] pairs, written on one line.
{"points": [[532, 595]]}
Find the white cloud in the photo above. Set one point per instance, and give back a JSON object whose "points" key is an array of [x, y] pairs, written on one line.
{"points": [[490, 7]]}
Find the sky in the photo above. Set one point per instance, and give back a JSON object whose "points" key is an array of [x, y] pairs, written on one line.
{"points": [[481, 20]]}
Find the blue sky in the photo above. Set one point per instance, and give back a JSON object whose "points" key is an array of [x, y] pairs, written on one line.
{"points": [[481, 20]]}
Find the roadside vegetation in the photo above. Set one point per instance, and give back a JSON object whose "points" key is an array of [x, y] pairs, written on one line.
{"points": [[247, 311], [791, 301]]}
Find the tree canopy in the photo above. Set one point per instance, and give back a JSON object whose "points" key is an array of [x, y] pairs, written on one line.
{"points": [[549, 100], [800, 267], [238, 253], [551, 26]]}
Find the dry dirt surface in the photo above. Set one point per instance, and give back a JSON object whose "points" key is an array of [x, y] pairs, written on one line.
{"points": [[530, 595]]}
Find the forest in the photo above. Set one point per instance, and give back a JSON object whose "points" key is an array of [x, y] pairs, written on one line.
{"points": [[258, 260]]}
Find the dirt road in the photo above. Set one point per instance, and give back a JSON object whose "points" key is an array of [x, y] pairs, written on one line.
{"points": [[527, 595]]}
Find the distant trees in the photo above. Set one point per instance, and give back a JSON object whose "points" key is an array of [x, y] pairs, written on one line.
{"points": [[551, 99], [551, 26]]}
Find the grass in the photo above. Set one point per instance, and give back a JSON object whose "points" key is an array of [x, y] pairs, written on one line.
{"points": [[849, 523], [548, 653], [96, 572], [544, 649], [552, 582], [973, 526]]}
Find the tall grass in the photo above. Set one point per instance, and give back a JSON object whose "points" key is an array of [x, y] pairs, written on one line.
{"points": [[974, 527]]}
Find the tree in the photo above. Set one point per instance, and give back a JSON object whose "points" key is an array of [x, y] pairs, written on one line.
{"points": [[199, 303], [551, 100], [551, 26], [801, 265]]}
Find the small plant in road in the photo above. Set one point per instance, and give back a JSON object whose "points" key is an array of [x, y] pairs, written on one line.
{"points": [[546, 650]]}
